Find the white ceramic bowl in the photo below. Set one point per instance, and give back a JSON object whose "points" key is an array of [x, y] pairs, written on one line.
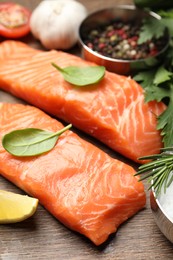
{"points": [[162, 219]]}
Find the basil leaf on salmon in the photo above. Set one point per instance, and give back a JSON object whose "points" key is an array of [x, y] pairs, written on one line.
{"points": [[31, 141], [113, 111], [77, 182], [82, 76]]}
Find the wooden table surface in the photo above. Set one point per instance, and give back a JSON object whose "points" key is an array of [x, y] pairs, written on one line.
{"points": [[43, 237]]}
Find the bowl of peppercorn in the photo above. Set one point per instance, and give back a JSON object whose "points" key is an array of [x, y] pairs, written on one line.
{"points": [[123, 39]]}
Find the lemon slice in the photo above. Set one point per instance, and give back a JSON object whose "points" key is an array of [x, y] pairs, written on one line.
{"points": [[16, 207]]}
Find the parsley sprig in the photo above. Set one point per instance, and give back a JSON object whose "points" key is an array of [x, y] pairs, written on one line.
{"points": [[151, 29], [158, 85]]}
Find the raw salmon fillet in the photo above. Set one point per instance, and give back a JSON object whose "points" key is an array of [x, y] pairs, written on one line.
{"points": [[83, 187], [112, 110]]}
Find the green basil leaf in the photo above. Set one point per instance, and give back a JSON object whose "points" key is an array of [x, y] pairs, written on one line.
{"points": [[82, 76], [31, 141]]}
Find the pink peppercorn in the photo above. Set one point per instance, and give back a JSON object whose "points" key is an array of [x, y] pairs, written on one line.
{"points": [[119, 40], [101, 45]]}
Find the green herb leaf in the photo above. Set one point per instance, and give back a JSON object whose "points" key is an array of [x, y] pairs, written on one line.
{"points": [[168, 23], [150, 81], [82, 76], [167, 19], [166, 13], [165, 123], [151, 28], [158, 85], [162, 75], [159, 170], [31, 141], [154, 94], [145, 78]]}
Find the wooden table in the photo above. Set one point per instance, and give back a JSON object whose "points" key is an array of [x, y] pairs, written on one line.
{"points": [[43, 237]]}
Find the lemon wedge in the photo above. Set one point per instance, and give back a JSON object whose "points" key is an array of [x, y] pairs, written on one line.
{"points": [[16, 207]]}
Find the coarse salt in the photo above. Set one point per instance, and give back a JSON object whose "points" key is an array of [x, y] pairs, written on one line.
{"points": [[166, 200]]}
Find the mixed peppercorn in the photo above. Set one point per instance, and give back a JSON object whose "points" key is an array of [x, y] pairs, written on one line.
{"points": [[119, 40]]}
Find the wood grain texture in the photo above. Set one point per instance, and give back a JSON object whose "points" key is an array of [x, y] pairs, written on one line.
{"points": [[43, 237]]}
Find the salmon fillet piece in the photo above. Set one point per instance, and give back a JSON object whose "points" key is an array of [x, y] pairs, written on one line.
{"points": [[16, 49], [83, 187], [113, 110]]}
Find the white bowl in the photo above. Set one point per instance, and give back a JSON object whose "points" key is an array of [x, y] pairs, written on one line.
{"points": [[162, 219]]}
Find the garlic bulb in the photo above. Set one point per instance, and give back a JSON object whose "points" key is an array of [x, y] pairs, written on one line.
{"points": [[56, 22]]}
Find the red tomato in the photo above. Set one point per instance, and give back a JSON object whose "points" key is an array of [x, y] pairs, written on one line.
{"points": [[14, 20]]}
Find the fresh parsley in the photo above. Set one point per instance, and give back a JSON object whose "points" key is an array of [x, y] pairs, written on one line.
{"points": [[150, 29], [158, 85]]}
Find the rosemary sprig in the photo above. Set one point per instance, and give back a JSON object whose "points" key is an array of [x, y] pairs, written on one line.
{"points": [[159, 171]]}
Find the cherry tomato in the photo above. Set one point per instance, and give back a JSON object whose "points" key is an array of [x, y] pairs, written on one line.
{"points": [[14, 20]]}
